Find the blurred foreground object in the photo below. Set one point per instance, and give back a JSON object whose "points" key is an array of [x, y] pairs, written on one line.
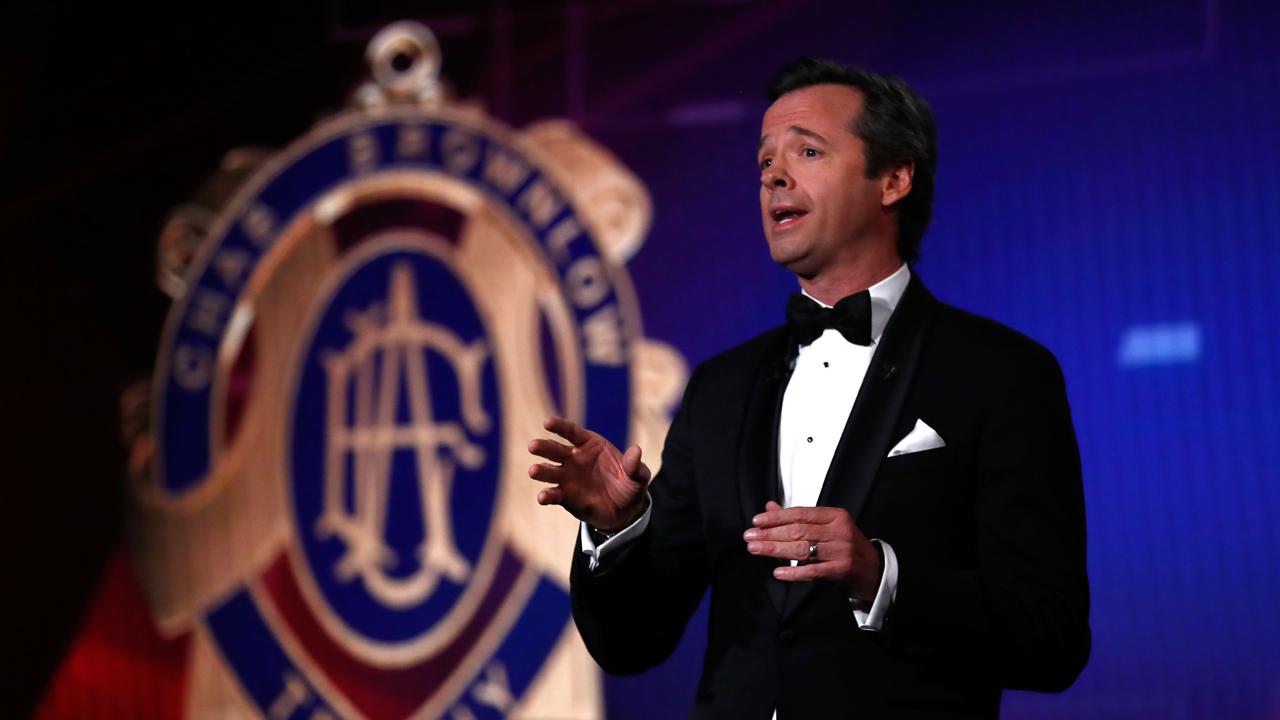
{"points": [[329, 489]]}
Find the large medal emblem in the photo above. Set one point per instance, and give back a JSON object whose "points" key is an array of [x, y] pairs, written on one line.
{"points": [[360, 346]]}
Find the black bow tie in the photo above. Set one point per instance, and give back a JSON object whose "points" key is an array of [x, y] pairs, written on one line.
{"points": [[851, 316]]}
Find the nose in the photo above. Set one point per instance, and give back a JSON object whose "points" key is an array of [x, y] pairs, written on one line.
{"points": [[776, 176]]}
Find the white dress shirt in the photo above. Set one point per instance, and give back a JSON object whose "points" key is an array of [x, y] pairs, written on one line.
{"points": [[815, 407]]}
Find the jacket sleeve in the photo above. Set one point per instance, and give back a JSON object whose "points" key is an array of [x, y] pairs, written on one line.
{"points": [[632, 610], [1021, 618]]}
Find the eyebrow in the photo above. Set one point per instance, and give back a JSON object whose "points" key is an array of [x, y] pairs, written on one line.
{"points": [[798, 130]]}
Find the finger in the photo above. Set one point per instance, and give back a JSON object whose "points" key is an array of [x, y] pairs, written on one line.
{"points": [[771, 506], [551, 450], [797, 531], [785, 516], [567, 429], [551, 496], [631, 461], [789, 550], [543, 472], [643, 475], [808, 572], [829, 551]]}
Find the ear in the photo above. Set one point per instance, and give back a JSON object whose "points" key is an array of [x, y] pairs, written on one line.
{"points": [[896, 183]]}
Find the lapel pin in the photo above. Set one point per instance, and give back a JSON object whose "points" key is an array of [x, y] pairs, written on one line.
{"points": [[890, 371]]}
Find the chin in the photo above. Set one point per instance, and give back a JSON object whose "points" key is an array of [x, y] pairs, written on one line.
{"points": [[786, 254], [781, 256], [794, 262]]}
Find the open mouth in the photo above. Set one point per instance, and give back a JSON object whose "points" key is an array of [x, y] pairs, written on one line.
{"points": [[786, 215]]}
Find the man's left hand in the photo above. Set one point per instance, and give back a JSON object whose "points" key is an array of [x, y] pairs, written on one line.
{"points": [[844, 555]]}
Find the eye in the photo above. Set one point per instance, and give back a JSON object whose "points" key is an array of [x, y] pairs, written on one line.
{"points": [[765, 163], [810, 152]]}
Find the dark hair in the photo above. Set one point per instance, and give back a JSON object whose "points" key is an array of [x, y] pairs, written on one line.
{"points": [[895, 125]]}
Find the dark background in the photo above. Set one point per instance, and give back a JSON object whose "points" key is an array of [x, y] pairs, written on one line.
{"points": [[1109, 183]]}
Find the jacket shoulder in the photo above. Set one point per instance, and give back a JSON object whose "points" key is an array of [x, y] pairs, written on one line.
{"points": [[733, 372], [991, 345], [746, 355]]}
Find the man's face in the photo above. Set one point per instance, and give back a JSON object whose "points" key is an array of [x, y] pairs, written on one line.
{"points": [[817, 203]]}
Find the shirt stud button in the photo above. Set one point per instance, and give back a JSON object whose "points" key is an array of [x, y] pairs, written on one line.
{"points": [[826, 364], [809, 439]]}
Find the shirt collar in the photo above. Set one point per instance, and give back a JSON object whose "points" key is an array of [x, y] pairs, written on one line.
{"points": [[884, 299]]}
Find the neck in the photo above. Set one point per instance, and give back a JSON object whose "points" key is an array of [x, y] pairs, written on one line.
{"points": [[832, 286]]}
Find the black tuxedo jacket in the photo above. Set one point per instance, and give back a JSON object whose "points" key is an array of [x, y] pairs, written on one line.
{"points": [[989, 533]]}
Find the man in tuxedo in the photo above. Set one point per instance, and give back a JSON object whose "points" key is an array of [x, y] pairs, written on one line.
{"points": [[883, 495]]}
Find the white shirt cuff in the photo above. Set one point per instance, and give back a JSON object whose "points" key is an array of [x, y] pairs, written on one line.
{"points": [[872, 618], [595, 553]]}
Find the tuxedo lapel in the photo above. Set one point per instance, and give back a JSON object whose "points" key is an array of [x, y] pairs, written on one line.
{"points": [[758, 453], [875, 414]]}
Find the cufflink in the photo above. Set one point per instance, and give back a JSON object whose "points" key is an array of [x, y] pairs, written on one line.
{"points": [[599, 536]]}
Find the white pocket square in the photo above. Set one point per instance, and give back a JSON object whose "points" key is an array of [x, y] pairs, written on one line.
{"points": [[922, 437]]}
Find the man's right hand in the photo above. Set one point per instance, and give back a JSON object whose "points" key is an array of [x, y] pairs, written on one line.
{"points": [[593, 480]]}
